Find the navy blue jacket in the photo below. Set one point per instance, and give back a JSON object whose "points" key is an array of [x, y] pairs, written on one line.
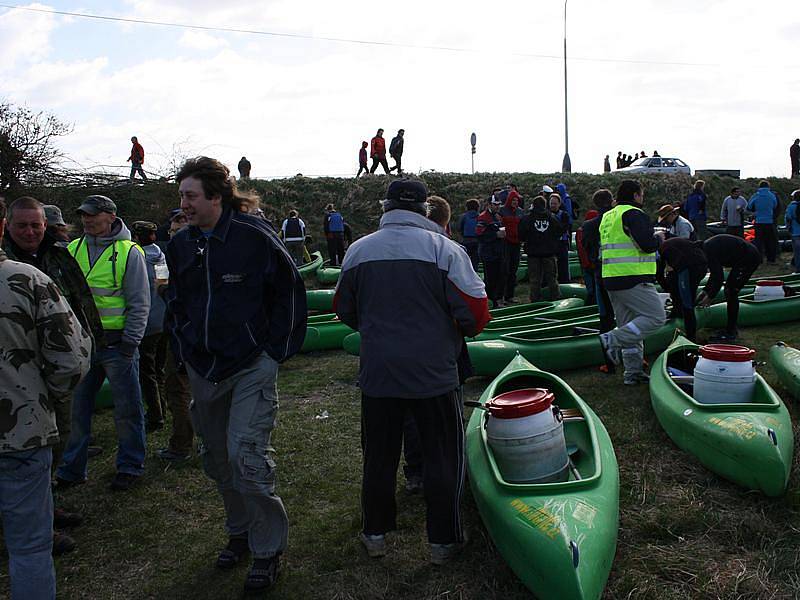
{"points": [[490, 247], [233, 296]]}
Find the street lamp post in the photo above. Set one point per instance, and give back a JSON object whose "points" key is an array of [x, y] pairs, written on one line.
{"points": [[566, 165], [473, 139]]}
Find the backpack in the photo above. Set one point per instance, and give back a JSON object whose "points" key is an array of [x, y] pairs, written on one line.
{"points": [[335, 223]]}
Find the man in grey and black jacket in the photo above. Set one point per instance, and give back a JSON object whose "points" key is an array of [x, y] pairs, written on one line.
{"points": [[413, 295]]}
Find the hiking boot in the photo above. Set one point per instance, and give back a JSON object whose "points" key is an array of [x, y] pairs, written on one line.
{"points": [[63, 519], [122, 482], [443, 553], [172, 456], [375, 544], [636, 378], [414, 485], [62, 543], [611, 353], [234, 552], [262, 574]]}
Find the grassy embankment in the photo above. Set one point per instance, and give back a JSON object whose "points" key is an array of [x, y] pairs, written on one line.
{"points": [[358, 199]]}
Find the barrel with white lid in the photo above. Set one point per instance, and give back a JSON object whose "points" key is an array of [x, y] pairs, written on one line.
{"points": [[724, 374], [526, 435], [768, 289]]}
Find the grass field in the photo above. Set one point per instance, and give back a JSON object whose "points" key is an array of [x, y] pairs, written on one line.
{"points": [[684, 533]]}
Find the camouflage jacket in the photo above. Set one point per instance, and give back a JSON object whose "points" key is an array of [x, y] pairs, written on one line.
{"points": [[44, 352], [59, 265]]}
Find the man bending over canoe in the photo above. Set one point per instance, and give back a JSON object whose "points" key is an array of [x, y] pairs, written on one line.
{"points": [[413, 295], [627, 248], [743, 258]]}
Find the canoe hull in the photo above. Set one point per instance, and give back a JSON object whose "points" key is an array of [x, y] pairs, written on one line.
{"points": [[785, 361], [749, 444], [560, 538]]}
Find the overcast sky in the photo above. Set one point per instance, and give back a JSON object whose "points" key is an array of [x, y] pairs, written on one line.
{"points": [[729, 98]]}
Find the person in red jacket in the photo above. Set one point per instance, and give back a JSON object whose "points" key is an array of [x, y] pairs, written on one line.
{"points": [[511, 214], [378, 152], [362, 159], [137, 159]]}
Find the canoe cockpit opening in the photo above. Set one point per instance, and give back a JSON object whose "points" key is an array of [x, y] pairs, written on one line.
{"points": [[680, 367]]}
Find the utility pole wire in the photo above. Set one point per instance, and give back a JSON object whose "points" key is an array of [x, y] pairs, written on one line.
{"points": [[302, 36]]}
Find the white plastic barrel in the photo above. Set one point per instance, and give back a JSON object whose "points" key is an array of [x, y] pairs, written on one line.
{"points": [[527, 437], [724, 374], [768, 289]]}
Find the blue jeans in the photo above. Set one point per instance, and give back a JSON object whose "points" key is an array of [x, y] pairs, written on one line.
{"points": [[123, 375], [796, 248], [26, 505]]}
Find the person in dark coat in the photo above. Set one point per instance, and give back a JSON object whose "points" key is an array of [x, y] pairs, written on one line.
{"points": [[562, 256], [681, 267], [490, 233], [541, 232], [742, 258], [244, 167], [607, 164], [467, 227], [362, 159], [396, 151], [794, 156]]}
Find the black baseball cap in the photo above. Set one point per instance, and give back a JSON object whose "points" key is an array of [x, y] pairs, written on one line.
{"points": [[96, 204], [407, 190]]}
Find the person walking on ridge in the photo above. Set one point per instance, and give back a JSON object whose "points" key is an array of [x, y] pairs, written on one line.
{"points": [[362, 160], [396, 151], [794, 157], [378, 152], [136, 159]]}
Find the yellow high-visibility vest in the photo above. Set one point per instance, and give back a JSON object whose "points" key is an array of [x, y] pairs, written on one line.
{"points": [[105, 278], [620, 256]]}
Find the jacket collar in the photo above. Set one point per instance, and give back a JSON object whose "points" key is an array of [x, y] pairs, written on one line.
{"points": [[220, 229], [407, 218]]}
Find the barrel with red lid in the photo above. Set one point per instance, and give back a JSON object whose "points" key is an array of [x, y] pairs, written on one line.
{"points": [[768, 289], [526, 434], [724, 374], [520, 403]]}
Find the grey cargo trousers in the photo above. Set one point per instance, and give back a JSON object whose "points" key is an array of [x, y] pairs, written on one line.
{"points": [[234, 420], [640, 312]]}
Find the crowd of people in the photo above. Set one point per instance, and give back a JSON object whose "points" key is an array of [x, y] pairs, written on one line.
{"points": [[212, 302], [625, 160], [377, 152]]}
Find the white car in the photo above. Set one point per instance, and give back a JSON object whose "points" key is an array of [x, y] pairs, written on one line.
{"points": [[657, 164]]}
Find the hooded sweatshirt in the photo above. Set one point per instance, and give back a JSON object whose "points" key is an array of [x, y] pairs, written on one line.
{"points": [[763, 203], [155, 321], [566, 202], [134, 287]]}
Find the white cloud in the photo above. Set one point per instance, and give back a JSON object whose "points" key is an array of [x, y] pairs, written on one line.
{"points": [[294, 105], [24, 37], [200, 40]]}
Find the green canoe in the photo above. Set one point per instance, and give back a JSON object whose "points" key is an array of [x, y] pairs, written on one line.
{"points": [[330, 333], [327, 274], [559, 538], [750, 444], [752, 313], [497, 327], [510, 315], [320, 300], [558, 347], [308, 269], [786, 362], [311, 340]]}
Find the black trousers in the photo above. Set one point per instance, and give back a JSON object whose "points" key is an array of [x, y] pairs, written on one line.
{"points": [[511, 258], [441, 434], [493, 278], [737, 279], [336, 248], [379, 160], [397, 165], [152, 359], [562, 258], [767, 241]]}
